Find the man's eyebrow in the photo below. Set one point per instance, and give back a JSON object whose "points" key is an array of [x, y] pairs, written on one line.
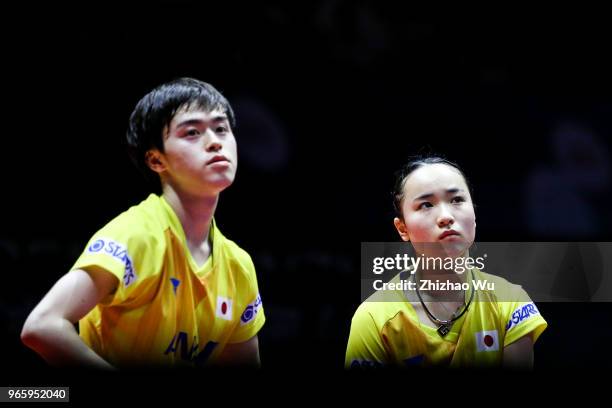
{"points": [[189, 122], [429, 195]]}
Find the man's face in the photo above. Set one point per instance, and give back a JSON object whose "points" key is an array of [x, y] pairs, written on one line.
{"points": [[200, 154], [437, 211]]}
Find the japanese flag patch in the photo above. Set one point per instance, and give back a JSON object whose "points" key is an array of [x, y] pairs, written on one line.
{"points": [[224, 308], [487, 340]]}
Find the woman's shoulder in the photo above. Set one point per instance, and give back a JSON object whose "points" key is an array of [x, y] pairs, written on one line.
{"points": [[502, 289], [381, 306]]}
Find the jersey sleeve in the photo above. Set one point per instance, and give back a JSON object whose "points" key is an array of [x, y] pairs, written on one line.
{"points": [[521, 318], [252, 317], [125, 249], [365, 346]]}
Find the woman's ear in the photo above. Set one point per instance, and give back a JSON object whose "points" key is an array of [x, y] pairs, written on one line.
{"points": [[155, 160], [401, 228]]}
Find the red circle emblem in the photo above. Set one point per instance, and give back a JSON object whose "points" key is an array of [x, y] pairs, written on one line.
{"points": [[488, 340]]}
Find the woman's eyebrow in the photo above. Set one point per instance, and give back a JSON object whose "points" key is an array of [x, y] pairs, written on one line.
{"points": [[426, 196]]}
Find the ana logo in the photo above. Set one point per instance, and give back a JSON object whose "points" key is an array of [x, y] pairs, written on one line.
{"points": [[487, 340], [414, 361], [522, 313], [118, 251], [224, 308], [180, 342], [190, 352], [250, 311], [365, 364]]}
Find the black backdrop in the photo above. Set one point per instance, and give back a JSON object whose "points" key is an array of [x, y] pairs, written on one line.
{"points": [[331, 97]]}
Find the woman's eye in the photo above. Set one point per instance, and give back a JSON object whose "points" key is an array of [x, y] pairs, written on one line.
{"points": [[457, 199], [192, 132], [425, 204], [221, 129]]}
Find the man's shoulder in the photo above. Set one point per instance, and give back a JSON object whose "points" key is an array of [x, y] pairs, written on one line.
{"points": [[233, 252], [139, 229], [143, 219], [234, 260]]}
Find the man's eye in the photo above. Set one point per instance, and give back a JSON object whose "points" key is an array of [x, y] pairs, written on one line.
{"points": [[425, 204]]}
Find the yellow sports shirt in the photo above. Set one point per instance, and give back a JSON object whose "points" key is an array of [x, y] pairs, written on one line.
{"points": [[167, 310], [386, 330]]}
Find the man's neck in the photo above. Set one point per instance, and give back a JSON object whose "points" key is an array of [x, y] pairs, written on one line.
{"points": [[194, 212]]}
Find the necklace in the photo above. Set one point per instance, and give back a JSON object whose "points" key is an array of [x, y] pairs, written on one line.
{"points": [[444, 326]]}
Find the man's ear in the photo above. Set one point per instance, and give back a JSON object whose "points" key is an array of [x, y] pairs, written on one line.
{"points": [[401, 228], [155, 160]]}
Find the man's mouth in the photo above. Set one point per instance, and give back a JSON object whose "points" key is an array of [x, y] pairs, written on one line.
{"points": [[217, 159]]}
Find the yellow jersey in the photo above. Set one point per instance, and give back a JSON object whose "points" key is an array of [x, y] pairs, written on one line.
{"points": [[167, 310], [386, 331]]}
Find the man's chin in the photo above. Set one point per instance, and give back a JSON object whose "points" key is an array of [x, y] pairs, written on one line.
{"points": [[218, 184]]}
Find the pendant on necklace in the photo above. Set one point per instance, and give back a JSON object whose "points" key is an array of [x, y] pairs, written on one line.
{"points": [[444, 329]]}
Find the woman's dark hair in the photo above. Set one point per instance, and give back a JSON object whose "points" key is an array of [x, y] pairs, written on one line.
{"points": [[157, 108], [414, 163]]}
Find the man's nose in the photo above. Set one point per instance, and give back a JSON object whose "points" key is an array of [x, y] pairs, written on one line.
{"points": [[213, 143]]}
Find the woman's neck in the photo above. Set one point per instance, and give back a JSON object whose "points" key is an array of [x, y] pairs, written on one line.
{"points": [[441, 275]]}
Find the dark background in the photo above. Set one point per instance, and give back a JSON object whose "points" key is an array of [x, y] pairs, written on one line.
{"points": [[331, 98]]}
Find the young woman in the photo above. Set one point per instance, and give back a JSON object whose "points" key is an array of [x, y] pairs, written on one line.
{"points": [[458, 325]]}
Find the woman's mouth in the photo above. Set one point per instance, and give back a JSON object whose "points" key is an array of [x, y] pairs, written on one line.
{"points": [[448, 233]]}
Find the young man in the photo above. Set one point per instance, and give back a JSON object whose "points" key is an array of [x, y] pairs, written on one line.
{"points": [[160, 284]]}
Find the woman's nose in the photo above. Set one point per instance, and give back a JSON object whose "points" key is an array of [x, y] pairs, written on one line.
{"points": [[445, 217]]}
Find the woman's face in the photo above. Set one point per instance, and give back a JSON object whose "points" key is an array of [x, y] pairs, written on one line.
{"points": [[438, 215]]}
